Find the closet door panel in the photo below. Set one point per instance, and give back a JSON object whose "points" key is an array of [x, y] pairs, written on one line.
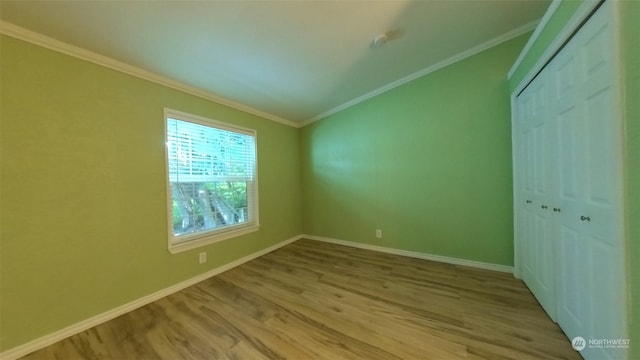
{"points": [[606, 312], [524, 181], [527, 236], [601, 195], [572, 260], [572, 256], [534, 139], [572, 309], [567, 172], [545, 269], [589, 190], [568, 166], [526, 207], [543, 284], [599, 149], [602, 202]]}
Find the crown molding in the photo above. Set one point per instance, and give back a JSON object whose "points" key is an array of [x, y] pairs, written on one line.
{"points": [[444, 63], [536, 33], [573, 23], [21, 33]]}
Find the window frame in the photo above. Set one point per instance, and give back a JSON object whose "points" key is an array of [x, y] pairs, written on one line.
{"points": [[195, 240]]}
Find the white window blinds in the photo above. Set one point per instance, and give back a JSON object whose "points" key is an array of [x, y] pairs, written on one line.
{"points": [[203, 153]]}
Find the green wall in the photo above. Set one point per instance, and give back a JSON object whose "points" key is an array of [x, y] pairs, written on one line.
{"points": [[83, 190], [631, 74], [428, 162], [630, 48]]}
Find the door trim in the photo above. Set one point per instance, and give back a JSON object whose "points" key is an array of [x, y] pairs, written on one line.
{"points": [[570, 27]]}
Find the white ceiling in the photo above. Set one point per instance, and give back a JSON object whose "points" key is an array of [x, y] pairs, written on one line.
{"points": [[293, 60]]}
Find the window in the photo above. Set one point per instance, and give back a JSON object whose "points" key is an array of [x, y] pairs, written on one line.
{"points": [[211, 180]]}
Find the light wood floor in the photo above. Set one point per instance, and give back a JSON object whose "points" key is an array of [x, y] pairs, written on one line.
{"points": [[312, 300]]}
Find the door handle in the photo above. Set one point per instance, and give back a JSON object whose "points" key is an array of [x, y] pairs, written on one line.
{"points": [[528, 201], [556, 209], [585, 218], [544, 206]]}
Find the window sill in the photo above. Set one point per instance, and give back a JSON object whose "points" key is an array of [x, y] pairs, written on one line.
{"points": [[211, 239]]}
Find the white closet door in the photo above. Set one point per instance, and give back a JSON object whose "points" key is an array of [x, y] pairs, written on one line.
{"points": [[589, 187], [573, 257], [535, 138], [569, 183]]}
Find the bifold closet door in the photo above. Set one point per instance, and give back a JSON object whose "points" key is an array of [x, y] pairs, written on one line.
{"points": [[569, 186], [535, 157], [589, 186]]}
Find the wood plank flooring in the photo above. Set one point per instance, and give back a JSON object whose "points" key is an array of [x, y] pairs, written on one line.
{"points": [[312, 300]]}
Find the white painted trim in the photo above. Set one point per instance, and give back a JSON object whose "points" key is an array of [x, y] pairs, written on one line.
{"points": [[583, 11], [618, 84], [18, 32], [413, 254], [444, 63], [517, 263], [208, 238], [541, 25], [83, 325]]}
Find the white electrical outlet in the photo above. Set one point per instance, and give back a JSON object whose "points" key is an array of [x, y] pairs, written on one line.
{"points": [[379, 234], [202, 258]]}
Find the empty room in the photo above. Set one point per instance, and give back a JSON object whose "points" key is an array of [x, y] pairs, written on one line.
{"points": [[315, 179]]}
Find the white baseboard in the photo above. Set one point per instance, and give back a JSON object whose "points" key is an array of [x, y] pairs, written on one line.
{"points": [[81, 326], [413, 254]]}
